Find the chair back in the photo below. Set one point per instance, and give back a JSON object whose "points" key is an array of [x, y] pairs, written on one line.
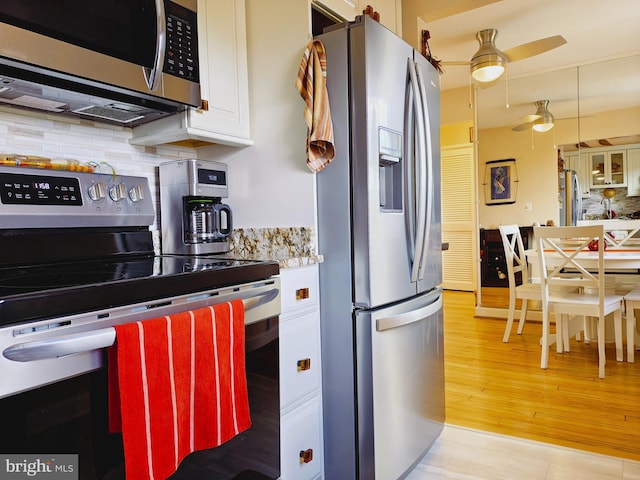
{"points": [[514, 253], [562, 250], [617, 232]]}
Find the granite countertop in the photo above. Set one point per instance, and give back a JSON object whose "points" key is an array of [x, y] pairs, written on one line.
{"points": [[289, 246]]}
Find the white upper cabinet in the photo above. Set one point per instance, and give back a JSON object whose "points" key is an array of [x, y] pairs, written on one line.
{"points": [[633, 172], [347, 9], [389, 10], [224, 116], [390, 13], [581, 165], [608, 169]]}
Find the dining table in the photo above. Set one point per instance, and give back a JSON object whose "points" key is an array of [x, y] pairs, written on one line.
{"points": [[624, 260]]}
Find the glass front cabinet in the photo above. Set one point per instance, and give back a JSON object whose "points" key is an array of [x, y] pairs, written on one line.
{"points": [[608, 169]]}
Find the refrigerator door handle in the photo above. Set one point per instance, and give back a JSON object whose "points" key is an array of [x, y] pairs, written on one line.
{"points": [[420, 180], [429, 181], [409, 129], [409, 317]]}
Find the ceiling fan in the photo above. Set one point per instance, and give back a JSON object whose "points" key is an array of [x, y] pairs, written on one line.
{"points": [[489, 63], [541, 121]]}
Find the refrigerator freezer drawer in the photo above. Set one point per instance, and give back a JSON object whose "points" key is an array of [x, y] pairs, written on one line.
{"points": [[400, 385]]}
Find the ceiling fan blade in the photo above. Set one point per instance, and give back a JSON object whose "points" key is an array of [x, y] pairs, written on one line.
{"points": [[522, 126], [530, 118], [446, 8], [456, 64], [536, 47]]}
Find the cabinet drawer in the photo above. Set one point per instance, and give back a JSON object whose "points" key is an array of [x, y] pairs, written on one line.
{"points": [[301, 453], [299, 358], [299, 288]]}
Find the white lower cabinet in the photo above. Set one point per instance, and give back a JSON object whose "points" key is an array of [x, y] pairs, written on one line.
{"points": [[301, 448], [301, 442]]}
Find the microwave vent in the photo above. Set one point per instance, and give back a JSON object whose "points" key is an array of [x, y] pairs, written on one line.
{"points": [[110, 112]]}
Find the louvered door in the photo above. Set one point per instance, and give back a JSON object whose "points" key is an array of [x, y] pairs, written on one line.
{"points": [[459, 224]]}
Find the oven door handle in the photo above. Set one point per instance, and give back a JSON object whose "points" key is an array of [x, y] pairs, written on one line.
{"points": [[102, 338]]}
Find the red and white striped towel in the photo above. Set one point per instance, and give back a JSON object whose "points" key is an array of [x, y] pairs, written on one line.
{"points": [[182, 387], [311, 82]]}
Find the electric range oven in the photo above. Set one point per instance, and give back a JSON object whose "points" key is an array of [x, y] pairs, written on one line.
{"points": [[77, 258]]}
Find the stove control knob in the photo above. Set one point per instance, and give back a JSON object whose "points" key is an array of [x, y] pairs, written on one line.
{"points": [[97, 191], [118, 192], [136, 193]]}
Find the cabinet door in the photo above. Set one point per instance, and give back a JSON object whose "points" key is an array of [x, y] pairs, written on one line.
{"points": [[224, 77], [347, 9], [616, 168], [390, 14], [301, 450], [598, 172], [633, 172]]}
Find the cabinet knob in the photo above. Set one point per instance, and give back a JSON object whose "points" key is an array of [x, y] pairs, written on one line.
{"points": [[304, 364], [306, 455], [302, 293]]}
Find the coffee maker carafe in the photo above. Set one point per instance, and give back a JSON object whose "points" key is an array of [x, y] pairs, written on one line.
{"points": [[194, 220]]}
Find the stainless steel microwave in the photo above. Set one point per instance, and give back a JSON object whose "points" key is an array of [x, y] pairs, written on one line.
{"points": [[121, 61]]}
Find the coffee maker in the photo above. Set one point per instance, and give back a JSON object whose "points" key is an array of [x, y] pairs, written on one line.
{"points": [[193, 218]]}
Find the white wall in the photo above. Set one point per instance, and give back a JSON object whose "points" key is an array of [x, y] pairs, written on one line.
{"points": [[269, 182]]}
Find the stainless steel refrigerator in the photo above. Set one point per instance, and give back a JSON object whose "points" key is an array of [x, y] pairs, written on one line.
{"points": [[380, 234], [569, 197]]}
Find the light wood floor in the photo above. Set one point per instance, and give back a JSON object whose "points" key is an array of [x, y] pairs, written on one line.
{"points": [[501, 388], [464, 454]]}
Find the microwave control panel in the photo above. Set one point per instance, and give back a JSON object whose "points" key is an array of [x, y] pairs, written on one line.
{"points": [[181, 54]]}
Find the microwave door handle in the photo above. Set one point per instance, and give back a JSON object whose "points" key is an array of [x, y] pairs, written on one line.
{"points": [[430, 182], [420, 177], [152, 75]]}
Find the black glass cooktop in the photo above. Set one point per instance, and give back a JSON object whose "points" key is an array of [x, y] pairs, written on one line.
{"points": [[53, 290]]}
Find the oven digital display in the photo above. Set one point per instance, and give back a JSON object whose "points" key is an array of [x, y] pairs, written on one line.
{"points": [[212, 177], [21, 189]]}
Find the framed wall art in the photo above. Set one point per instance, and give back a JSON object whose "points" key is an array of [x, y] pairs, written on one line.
{"points": [[500, 182]]}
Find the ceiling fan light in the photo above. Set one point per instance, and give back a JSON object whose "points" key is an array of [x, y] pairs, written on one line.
{"points": [[542, 127], [488, 73], [488, 63], [545, 121]]}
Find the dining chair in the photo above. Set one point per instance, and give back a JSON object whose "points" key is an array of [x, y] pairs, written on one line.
{"points": [[562, 249], [517, 263], [617, 232], [631, 303]]}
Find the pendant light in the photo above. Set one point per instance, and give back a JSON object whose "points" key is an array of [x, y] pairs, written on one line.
{"points": [[545, 121], [488, 63]]}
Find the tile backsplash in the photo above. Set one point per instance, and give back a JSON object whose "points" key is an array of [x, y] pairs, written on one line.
{"points": [[34, 133], [27, 133]]}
